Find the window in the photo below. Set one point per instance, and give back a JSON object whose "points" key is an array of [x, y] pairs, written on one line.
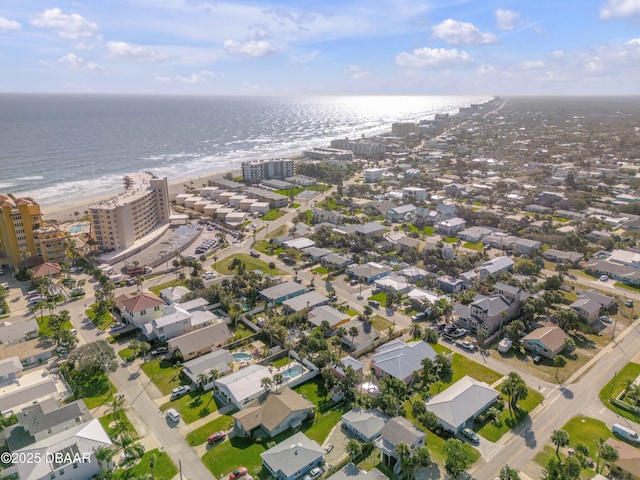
{"points": [[75, 465], [143, 312], [62, 471], [52, 476], [49, 431]]}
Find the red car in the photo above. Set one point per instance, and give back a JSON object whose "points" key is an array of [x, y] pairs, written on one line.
{"points": [[238, 473], [215, 437]]}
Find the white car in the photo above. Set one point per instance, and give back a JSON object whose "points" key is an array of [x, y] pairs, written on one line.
{"points": [[179, 391], [173, 415], [604, 278], [118, 326]]}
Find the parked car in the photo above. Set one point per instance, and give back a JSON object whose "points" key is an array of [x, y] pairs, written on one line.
{"points": [[605, 319], [216, 437], [604, 278], [315, 472], [328, 448], [419, 316], [117, 326], [254, 254], [173, 415], [471, 435], [374, 303], [159, 350], [468, 346], [179, 391], [238, 473], [628, 303], [625, 433], [537, 359]]}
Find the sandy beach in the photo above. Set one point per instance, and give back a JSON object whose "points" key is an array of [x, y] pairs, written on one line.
{"points": [[65, 211]]}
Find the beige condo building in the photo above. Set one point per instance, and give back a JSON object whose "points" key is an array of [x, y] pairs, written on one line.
{"points": [[118, 223]]}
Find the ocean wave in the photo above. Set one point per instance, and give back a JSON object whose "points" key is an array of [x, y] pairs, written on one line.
{"points": [[6, 185], [29, 179]]}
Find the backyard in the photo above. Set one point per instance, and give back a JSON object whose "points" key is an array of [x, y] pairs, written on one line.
{"points": [[193, 406], [44, 330], [96, 390]]}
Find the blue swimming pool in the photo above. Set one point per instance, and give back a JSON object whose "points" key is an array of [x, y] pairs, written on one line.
{"points": [[292, 372], [77, 228], [242, 357]]}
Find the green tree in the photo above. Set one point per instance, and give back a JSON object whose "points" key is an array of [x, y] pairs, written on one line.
{"points": [[559, 362], [508, 473], [428, 420], [559, 438], [278, 380], [459, 457], [353, 449], [430, 336], [104, 455], [515, 389]]}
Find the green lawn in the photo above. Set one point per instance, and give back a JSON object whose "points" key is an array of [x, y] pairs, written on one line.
{"points": [[273, 214], [200, 435], [380, 297], [250, 264], [615, 387], [163, 374], [193, 406], [463, 366], [351, 312], [241, 331], [380, 323], [43, 326], [126, 354], [233, 453], [95, 390], [288, 191], [493, 432], [281, 362], [163, 469], [107, 420], [478, 247], [314, 391], [171, 283], [321, 270], [627, 287], [324, 422], [103, 322], [263, 246], [450, 239]]}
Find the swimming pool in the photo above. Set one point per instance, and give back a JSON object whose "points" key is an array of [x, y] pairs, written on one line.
{"points": [[242, 357], [77, 228], [292, 372]]}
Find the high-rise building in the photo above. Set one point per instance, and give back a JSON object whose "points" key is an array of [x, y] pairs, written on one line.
{"points": [[23, 234], [257, 170], [118, 223]]}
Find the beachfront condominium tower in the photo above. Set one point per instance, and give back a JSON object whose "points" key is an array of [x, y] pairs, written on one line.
{"points": [[118, 223], [24, 235], [276, 168]]}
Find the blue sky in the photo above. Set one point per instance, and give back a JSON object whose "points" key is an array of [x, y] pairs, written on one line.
{"points": [[321, 47]]}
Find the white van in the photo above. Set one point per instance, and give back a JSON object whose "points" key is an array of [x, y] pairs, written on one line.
{"points": [[625, 433]]}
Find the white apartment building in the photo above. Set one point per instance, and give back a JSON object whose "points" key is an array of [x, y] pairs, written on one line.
{"points": [[118, 223], [360, 147], [412, 194], [373, 174], [257, 170]]}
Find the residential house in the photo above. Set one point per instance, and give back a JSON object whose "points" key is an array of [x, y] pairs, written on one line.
{"points": [[403, 213], [627, 465], [299, 243], [10, 370], [449, 284], [605, 301], [364, 424], [200, 342], [49, 417], [220, 361], [488, 314], [141, 308], [16, 395], [369, 272], [352, 472], [16, 332], [242, 387], [399, 359], [373, 230], [545, 341], [495, 266], [524, 246], [365, 337], [78, 446], [279, 293], [558, 256], [319, 215], [346, 362], [379, 208], [393, 283], [451, 226], [293, 457], [51, 270], [180, 319], [398, 430], [405, 244], [413, 274], [273, 413], [458, 405], [174, 294], [336, 261], [414, 194], [422, 300], [587, 309], [332, 316], [475, 234], [306, 300], [316, 253], [622, 273]]}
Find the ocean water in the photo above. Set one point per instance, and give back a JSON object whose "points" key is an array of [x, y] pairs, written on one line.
{"points": [[67, 147]]}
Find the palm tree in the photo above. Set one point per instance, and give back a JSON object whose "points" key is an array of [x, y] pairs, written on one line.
{"points": [[508, 473], [559, 438], [353, 449], [104, 454], [203, 379], [608, 453], [415, 331], [515, 389], [266, 383], [152, 463], [278, 379], [353, 332], [131, 449], [118, 407]]}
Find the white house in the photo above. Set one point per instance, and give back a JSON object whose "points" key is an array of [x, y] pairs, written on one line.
{"points": [[139, 309]]}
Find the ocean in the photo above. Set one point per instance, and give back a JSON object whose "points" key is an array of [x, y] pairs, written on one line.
{"points": [[67, 147]]}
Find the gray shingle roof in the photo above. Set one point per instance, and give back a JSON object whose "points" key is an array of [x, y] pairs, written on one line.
{"points": [[400, 430], [400, 359], [292, 454], [47, 414], [368, 422]]}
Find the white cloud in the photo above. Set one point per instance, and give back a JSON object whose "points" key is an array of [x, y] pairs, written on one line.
{"points": [[249, 48], [533, 65], [71, 27], [620, 8], [80, 64], [506, 19], [433, 57], [357, 73], [557, 54], [200, 77], [7, 25], [135, 52], [462, 33], [162, 79], [305, 57], [486, 70], [259, 32]]}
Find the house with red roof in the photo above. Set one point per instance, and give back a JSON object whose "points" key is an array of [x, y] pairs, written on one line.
{"points": [[140, 308]]}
